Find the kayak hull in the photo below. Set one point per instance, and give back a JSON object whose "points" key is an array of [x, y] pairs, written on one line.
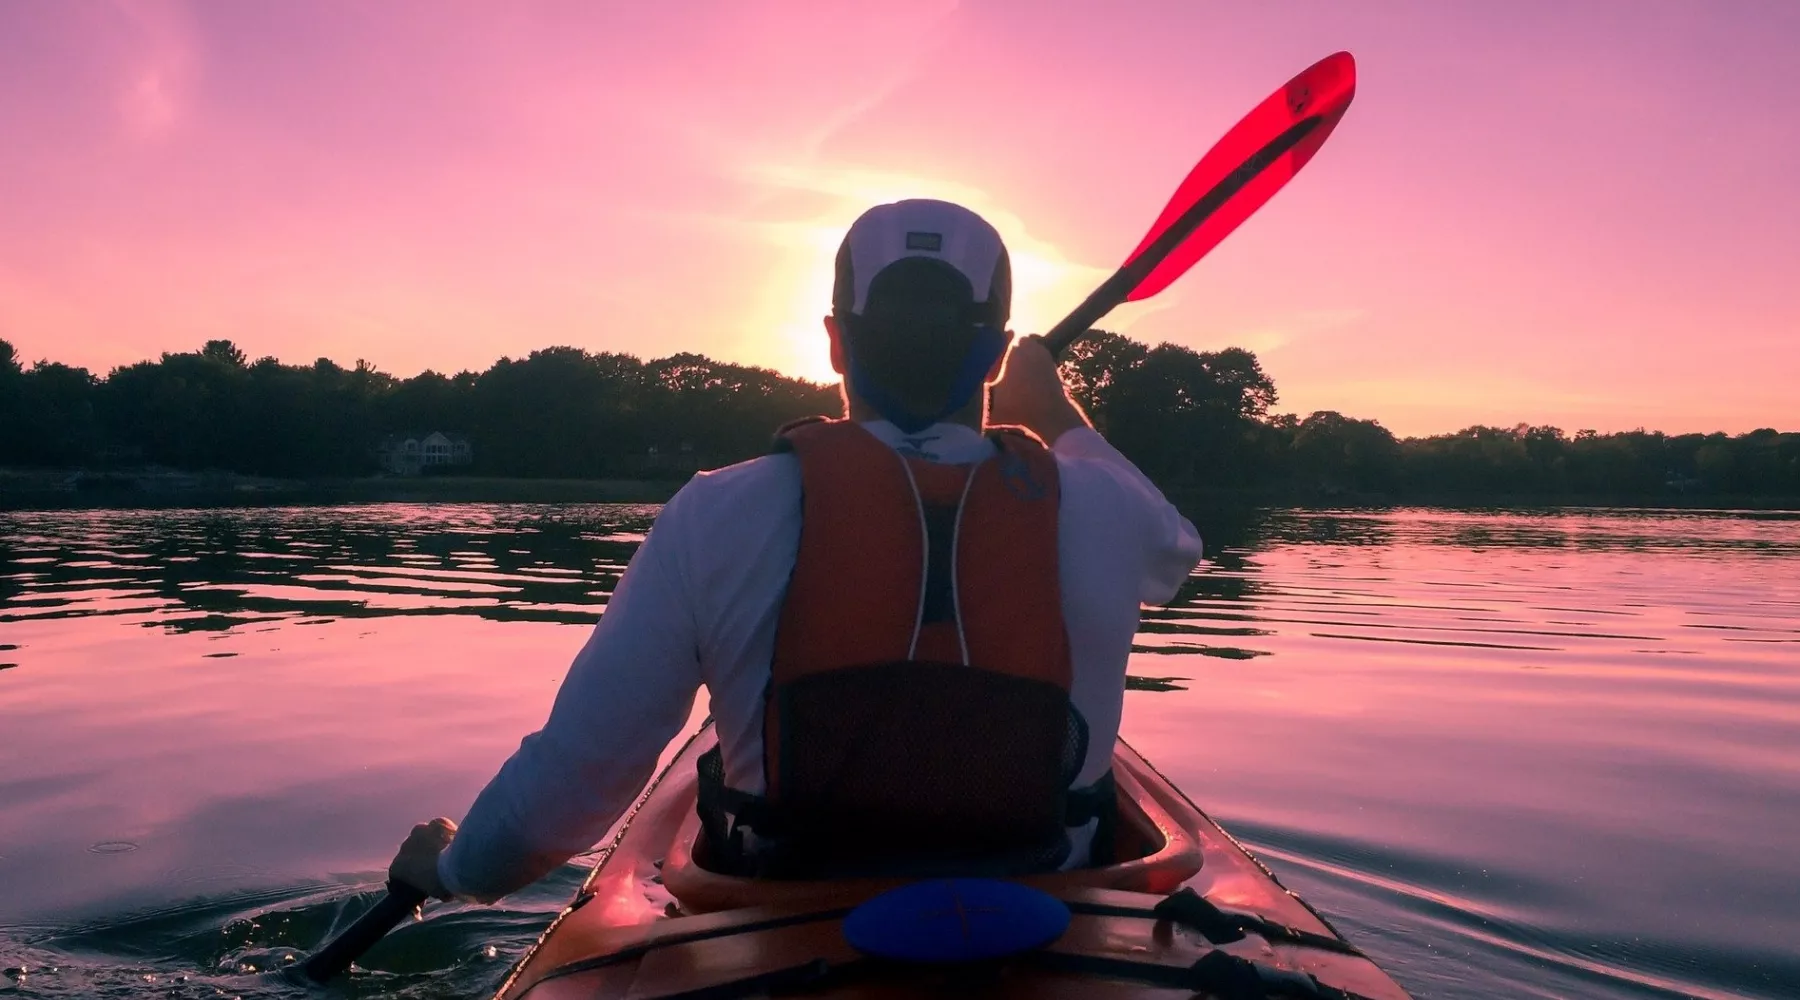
{"points": [[651, 921]]}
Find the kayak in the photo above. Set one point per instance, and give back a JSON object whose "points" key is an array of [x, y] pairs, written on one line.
{"points": [[1181, 910]]}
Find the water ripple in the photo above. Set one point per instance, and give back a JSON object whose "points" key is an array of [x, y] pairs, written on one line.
{"points": [[1526, 753]]}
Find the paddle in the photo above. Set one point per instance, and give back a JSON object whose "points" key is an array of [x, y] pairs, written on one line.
{"points": [[399, 903], [1242, 171]]}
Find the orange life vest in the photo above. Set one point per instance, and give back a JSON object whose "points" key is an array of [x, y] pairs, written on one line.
{"points": [[918, 716]]}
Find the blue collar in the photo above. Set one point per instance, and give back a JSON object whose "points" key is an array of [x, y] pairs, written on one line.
{"points": [[990, 343]]}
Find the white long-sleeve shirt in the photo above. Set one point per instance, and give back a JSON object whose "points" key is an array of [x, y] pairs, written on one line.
{"points": [[699, 604]]}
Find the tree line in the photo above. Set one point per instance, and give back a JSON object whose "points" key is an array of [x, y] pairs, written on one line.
{"points": [[1188, 418]]}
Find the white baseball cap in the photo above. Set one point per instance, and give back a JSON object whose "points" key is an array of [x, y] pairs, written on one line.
{"points": [[920, 230]]}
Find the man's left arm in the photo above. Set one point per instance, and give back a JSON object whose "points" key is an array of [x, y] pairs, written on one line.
{"points": [[627, 694]]}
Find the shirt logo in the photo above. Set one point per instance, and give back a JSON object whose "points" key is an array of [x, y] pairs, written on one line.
{"points": [[915, 446], [1015, 474]]}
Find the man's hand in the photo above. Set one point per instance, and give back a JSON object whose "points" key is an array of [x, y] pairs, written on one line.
{"points": [[416, 864], [1030, 394]]}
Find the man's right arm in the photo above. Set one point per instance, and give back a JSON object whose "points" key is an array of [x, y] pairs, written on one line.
{"points": [[1169, 545], [1031, 394]]}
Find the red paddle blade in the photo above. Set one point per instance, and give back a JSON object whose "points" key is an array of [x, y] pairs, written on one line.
{"points": [[1323, 92]]}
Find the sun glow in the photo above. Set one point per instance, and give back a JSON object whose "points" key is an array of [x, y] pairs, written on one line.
{"points": [[1046, 283], [797, 299]]}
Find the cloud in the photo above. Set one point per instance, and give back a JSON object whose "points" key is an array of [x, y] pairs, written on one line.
{"points": [[1281, 332], [160, 73]]}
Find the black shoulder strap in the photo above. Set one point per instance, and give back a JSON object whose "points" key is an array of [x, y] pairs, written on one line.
{"points": [[1096, 801], [725, 812], [781, 445], [1000, 432]]}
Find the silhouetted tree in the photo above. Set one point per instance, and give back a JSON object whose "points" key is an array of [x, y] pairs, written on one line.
{"points": [[224, 352], [1187, 417], [1092, 366], [11, 412], [1183, 415], [49, 413], [1331, 450]]}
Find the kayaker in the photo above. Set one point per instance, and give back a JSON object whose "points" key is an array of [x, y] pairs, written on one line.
{"points": [[913, 635]]}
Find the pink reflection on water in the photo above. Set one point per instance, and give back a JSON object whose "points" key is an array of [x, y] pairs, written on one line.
{"points": [[1576, 701], [1480, 732], [340, 735]]}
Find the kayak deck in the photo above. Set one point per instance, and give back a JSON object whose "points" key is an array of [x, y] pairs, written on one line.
{"points": [[652, 921]]}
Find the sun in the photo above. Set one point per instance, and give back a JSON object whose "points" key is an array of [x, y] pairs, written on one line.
{"points": [[801, 347], [808, 352], [787, 318], [816, 365]]}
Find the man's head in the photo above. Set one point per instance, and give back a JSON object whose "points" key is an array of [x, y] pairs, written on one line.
{"points": [[919, 311]]}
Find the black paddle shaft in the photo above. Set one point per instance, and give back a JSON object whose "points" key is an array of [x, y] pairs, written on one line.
{"points": [[399, 903], [1117, 288]]}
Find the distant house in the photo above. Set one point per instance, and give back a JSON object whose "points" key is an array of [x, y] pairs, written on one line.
{"points": [[682, 460], [407, 454]]}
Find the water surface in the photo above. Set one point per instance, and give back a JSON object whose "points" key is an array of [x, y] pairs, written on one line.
{"points": [[1523, 754]]}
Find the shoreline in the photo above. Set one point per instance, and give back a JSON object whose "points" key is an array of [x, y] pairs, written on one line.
{"points": [[1315, 500], [50, 490], [64, 489]]}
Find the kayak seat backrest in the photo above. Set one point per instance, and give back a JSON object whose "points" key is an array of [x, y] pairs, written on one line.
{"points": [[1153, 851]]}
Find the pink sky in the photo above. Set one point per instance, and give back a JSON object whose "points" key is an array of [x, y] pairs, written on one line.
{"points": [[1569, 213]]}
